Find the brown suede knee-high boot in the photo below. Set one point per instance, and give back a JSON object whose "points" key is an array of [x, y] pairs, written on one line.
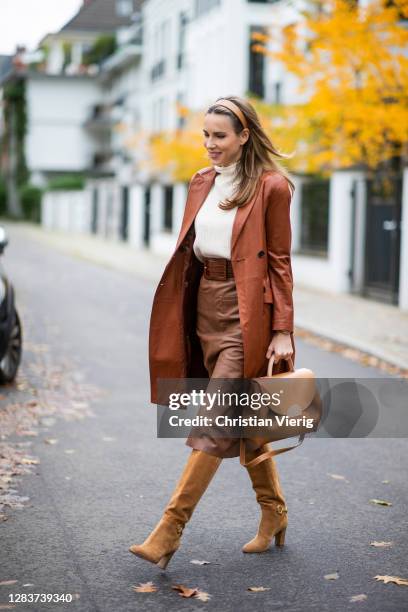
{"points": [[269, 495], [164, 540]]}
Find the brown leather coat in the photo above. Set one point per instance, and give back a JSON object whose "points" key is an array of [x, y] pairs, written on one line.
{"points": [[260, 257]]}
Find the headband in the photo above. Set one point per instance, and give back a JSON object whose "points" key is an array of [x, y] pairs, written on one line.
{"points": [[234, 108]]}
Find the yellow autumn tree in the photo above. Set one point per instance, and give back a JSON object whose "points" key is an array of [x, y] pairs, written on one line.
{"points": [[180, 153], [350, 65], [351, 69]]}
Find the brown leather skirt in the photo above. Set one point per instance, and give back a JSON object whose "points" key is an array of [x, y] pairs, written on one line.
{"points": [[219, 331]]}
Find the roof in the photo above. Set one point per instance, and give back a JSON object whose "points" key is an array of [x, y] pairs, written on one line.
{"points": [[100, 16]]}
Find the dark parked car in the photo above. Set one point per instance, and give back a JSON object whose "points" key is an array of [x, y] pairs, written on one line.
{"points": [[10, 326]]}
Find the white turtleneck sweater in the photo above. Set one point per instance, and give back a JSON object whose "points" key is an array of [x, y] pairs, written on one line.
{"points": [[213, 226]]}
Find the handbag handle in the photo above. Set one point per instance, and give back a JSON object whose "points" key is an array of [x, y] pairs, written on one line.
{"points": [[270, 453], [266, 455], [271, 362]]}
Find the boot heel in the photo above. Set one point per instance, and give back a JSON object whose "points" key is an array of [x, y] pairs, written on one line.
{"points": [[280, 537], [164, 561]]}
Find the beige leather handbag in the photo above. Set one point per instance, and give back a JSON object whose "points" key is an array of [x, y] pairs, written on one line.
{"points": [[295, 409]]}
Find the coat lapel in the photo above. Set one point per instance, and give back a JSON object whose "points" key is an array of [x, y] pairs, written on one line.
{"points": [[199, 191], [239, 221]]}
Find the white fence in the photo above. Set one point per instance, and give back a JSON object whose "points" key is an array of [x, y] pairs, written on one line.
{"points": [[138, 215], [67, 210]]}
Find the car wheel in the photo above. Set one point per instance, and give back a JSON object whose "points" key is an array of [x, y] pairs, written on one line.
{"points": [[11, 360]]}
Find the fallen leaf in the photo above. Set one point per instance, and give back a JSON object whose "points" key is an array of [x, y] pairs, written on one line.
{"points": [[8, 582], [184, 591], [381, 544], [50, 440], [380, 502], [28, 584], [145, 587], [30, 461], [392, 579], [360, 597], [385, 482], [7, 606], [338, 477], [26, 432], [202, 595], [333, 576], [258, 589], [69, 451], [197, 562]]}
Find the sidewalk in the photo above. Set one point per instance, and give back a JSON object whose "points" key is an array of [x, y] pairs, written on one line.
{"points": [[374, 328]]}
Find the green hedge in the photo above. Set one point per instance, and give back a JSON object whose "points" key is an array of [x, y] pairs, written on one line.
{"points": [[3, 197], [31, 202], [69, 182]]}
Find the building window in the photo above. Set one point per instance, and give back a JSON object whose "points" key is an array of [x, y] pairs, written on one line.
{"points": [[277, 92], [203, 6], [181, 119], [314, 214], [183, 20], [168, 208], [256, 81], [161, 47], [124, 8]]}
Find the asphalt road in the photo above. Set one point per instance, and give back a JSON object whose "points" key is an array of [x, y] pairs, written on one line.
{"points": [[86, 507]]}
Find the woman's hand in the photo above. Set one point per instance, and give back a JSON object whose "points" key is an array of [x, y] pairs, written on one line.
{"points": [[280, 346]]}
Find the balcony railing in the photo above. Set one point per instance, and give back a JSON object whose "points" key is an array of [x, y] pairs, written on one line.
{"points": [[100, 117]]}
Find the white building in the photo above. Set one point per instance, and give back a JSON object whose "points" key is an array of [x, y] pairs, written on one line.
{"points": [[347, 237]]}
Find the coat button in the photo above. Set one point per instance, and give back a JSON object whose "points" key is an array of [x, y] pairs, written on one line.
{"points": [[261, 253]]}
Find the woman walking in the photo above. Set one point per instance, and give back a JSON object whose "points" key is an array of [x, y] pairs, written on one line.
{"points": [[224, 306]]}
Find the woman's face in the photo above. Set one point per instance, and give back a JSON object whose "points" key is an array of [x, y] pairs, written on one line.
{"points": [[224, 146]]}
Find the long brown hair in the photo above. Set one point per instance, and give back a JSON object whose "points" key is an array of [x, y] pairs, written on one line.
{"points": [[257, 152]]}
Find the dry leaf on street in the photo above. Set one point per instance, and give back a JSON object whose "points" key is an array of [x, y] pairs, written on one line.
{"points": [[7, 582], [380, 502], [26, 432], [360, 597], [30, 461], [145, 587], [333, 576], [202, 595], [184, 591], [392, 579], [198, 562], [258, 589], [50, 440], [381, 544], [338, 477]]}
